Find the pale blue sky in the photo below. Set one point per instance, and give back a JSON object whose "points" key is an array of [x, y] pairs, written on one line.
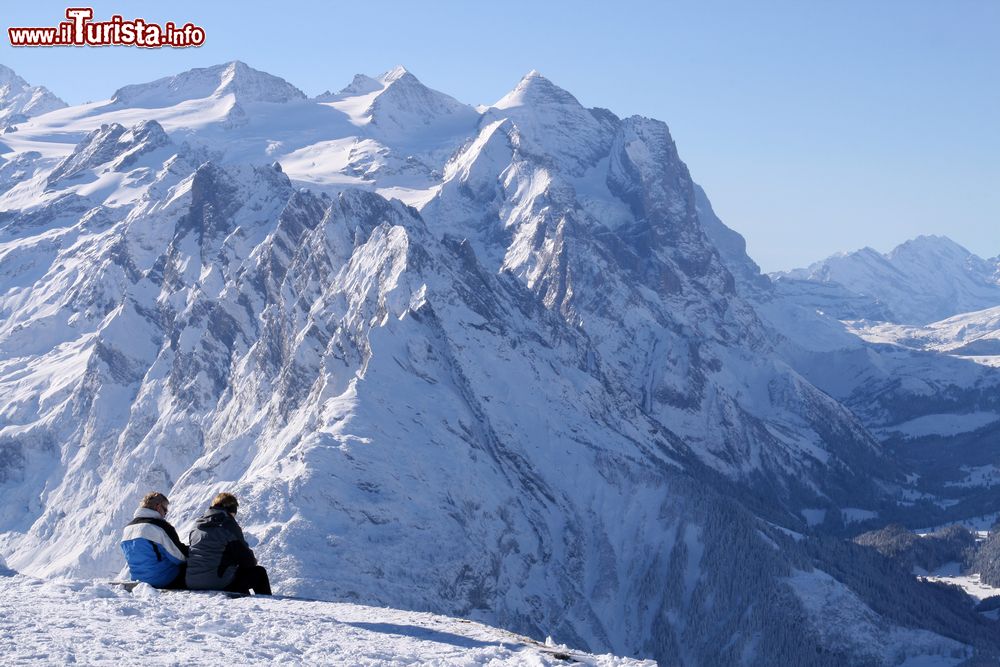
{"points": [[815, 126]]}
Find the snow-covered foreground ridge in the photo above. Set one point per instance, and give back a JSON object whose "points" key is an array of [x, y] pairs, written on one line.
{"points": [[500, 363], [78, 622]]}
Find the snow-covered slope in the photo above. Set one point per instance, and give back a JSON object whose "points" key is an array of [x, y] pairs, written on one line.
{"points": [[923, 280], [69, 621], [19, 100], [537, 397], [975, 334]]}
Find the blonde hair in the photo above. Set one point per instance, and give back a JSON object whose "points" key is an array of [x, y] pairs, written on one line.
{"points": [[225, 501], [153, 499]]}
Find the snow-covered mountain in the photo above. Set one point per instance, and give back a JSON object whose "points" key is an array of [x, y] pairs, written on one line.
{"points": [[920, 281], [499, 362], [237, 79], [20, 100], [929, 393]]}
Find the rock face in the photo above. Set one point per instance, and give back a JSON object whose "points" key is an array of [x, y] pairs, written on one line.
{"points": [[541, 394]]}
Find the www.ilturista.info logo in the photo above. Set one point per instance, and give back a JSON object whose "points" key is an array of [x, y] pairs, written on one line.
{"points": [[81, 30]]}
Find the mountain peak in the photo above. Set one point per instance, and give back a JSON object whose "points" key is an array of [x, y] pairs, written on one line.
{"points": [[395, 74], [931, 242], [9, 77], [405, 103], [20, 100], [236, 68], [362, 84], [235, 77], [533, 90], [939, 250], [251, 85], [396, 78], [111, 144]]}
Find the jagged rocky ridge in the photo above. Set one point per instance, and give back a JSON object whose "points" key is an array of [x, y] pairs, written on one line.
{"points": [[542, 393]]}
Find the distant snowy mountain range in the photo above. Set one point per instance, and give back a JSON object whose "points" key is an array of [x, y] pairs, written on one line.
{"points": [[499, 362]]}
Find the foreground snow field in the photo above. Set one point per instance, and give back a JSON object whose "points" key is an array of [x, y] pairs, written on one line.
{"points": [[73, 621]]}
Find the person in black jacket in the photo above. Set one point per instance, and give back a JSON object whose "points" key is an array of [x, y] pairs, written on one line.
{"points": [[220, 558]]}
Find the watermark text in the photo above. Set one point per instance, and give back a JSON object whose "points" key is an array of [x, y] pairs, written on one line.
{"points": [[81, 30]]}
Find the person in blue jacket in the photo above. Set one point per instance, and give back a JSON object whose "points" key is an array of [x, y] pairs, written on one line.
{"points": [[153, 551]]}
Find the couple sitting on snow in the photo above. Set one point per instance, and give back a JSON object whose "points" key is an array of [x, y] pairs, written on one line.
{"points": [[218, 558]]}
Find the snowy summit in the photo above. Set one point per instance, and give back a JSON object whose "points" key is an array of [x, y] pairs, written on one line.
{"points": [[19, 100]]}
